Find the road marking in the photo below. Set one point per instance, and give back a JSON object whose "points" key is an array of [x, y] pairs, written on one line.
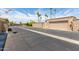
{"points": [[53, 36]]}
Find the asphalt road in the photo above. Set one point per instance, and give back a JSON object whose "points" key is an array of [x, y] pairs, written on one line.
{"points": [[24, 40]]}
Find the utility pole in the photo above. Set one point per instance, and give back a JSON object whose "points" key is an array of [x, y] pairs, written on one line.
{"points": [[50, 13], [54, 10]]}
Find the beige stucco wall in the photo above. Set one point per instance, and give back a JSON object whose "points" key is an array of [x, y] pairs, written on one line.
{"points": [[3, 27], [45, 25], [58, 24], [6, 25], [76, 25], [37, 25]]}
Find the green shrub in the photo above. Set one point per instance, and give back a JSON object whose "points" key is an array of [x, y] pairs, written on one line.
{"points": [[30, 23]]}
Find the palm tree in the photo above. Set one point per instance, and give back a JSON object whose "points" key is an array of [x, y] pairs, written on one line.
{"points": [[46, 16], [39, 15]]}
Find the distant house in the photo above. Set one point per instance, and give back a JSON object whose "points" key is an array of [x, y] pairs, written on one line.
{"points": [[63, 23], [4, 25], [69, 23]]}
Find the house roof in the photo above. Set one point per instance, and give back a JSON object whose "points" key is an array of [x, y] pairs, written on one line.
{"points": [[62, 19], [4, 20]]}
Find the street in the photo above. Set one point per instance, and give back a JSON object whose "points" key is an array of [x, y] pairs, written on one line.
{"points": [[22, 39]]}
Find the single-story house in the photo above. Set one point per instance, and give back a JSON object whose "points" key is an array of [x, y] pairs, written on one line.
{"points": [[4, 24], [69, 23]]}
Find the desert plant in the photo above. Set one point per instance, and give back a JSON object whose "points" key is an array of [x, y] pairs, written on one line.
{"points": [[46, 16], [30, 23], [39, 15]]}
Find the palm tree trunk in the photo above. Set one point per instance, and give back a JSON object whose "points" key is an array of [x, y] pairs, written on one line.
{"points": [[38, 19]]}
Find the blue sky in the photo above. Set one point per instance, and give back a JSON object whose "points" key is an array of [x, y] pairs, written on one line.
{"points": [[26, 14]]}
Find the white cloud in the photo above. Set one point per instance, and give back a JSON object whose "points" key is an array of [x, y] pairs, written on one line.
{"points": [[17, 16], [67, 12]]}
